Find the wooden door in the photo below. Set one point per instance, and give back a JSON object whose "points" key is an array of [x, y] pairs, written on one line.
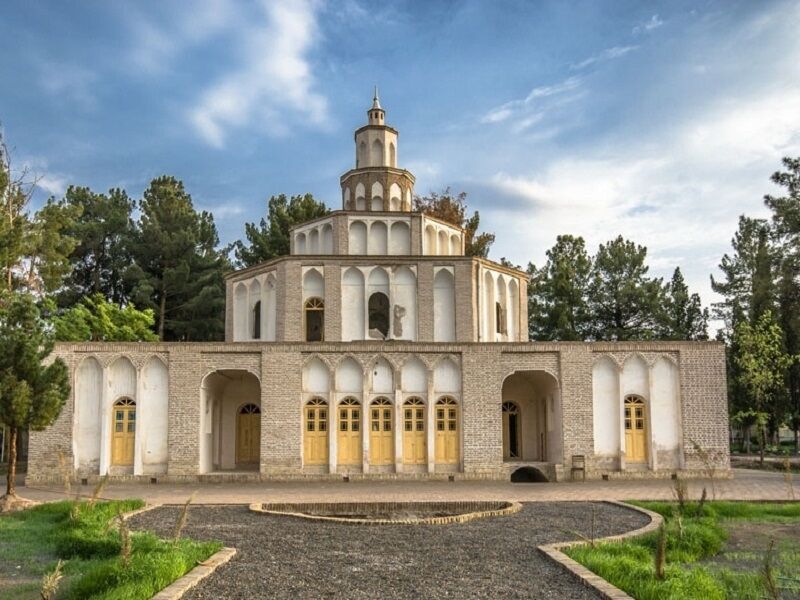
{"points": [[248, 434], [415, 443], [348, 440], [635, 430], [511, 426], [447, 432], [381, 433], [315, 435], [123, 432]]}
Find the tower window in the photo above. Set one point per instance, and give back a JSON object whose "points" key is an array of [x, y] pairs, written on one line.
{"points": [[314, 319], [379, 313], [500, 318], [257, 321]]}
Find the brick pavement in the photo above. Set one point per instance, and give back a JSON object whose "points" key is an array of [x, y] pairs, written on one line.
{"points": [[745, 485]]}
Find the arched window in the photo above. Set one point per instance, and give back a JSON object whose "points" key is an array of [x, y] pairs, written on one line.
{"points": [[511, 422], [447, 444], [379, 313], [257, 320], [315, 436], [124, 432], [414, 439], [500, 317], [315, 319]]}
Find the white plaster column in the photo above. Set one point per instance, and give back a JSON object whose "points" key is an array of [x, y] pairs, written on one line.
{"points": [[105, 424], [263, 310], [652, 457], [333, 430], [621, 396], [138, 446], [366, 387], [430, 432], [398, 429]]}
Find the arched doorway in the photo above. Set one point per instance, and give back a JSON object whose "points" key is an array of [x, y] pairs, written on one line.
{"points": [[446, 439], [248, 435], [635, 430], [315, 432], [230, 421], [381, 432], [123, 434], [511, 426], [415, 450], [348, 439], [531, 414]]}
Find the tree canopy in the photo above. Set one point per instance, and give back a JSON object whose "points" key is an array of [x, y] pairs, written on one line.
{"points": [[453, 209], [95, 319]]}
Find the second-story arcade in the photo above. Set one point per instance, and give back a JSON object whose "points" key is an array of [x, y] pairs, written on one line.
{"points": [[377, 270]]}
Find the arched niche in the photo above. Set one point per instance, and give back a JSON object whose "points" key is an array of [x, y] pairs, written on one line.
{"points": [[300, 243], [349, 377], [87, 432], [489, 308], [378, 239], [255, 313], [361, 194], [313, 241], [414, 377], [313, 284], [444, 306], [376, 154], [358, 238], [606, 407], [316, 377], [382, 377], [635, 378], [395, 195], [270, 309], [404, 311], [665, 411], [400, 239], [430, 240], [443, 243], [392, 155], [154, 416], [122, 379], [326, 243], [362, 159], [352, 305], [501, 306], [455, 245], [240, 312], [346, 199], [536, 397], [513, 301], [446, 377]]}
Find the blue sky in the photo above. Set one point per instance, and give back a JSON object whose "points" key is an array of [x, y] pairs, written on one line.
{"points": [[661, 121]]}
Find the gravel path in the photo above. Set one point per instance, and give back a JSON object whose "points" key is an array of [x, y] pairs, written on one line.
{"points": [[283, 557]]}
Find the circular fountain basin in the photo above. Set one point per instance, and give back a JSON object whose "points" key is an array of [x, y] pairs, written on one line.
{"points": [[390, 513]]}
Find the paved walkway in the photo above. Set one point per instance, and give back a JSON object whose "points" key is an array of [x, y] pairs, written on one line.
{"points": [[746, 485]]}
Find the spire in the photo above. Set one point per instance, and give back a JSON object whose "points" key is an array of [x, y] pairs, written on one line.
{"points": [[376, 102]]}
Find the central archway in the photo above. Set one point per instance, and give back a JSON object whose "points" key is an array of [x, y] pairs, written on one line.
{"points": [[531, 414], [230, 421]]}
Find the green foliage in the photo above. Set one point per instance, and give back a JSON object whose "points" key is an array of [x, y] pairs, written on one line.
{"points": [[629, 564], [682, 316], [558, 298], [453, 209], [91, 548], [270, 238], [623, 301], [102, 230], [177, 270], [98, 320]]}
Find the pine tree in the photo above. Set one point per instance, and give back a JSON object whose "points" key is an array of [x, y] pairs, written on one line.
{"points": [[32, 393], [682, 315], [623, 301], [453, 209], [558, 292], [270, 238]]}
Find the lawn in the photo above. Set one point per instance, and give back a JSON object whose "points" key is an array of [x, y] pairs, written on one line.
{"points": [[97, 563], [715, 552]]}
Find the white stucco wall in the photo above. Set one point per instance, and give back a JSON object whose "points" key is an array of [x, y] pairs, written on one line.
{"points": [[88, 397], [444, 306], [665, 408], [606, 407], [154, 415]]}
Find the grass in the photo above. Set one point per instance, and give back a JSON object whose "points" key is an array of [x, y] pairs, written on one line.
{"points": [[87, 539], [698, 564]]}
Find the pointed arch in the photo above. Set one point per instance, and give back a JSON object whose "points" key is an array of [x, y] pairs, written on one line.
{"points": [[154, 415], [313, 284], [404, 311], [316, 376], [376, 154], [443, 243], [400, 239], [378, 239], [605, 407], [87, 430], [414, 376], [382, 376], [353, 305], [349, 376], [430, 240], [444, 306], [357, 240], [392, 155], [240, 312], [447, 377]]}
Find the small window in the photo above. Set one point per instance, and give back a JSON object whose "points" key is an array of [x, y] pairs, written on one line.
{"points": [[257, 320], [500, 318], [379, 313], [315, 319]]}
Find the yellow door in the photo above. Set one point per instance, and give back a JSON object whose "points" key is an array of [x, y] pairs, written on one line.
{"points": [[447, 431], [511, 438], [123, 432], [635, 430], [248, 434], [349, 439], [315, 436], [415, 445], [381, 434]]}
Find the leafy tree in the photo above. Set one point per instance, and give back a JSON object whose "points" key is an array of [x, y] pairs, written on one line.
{"points": [[682, 315], [786, 223], [623, 301], [763, 364], [99, 259], [32, 393], [15, 192], [453, 209], [270, 238], [177, 270], [96, 319], [558, 293]]}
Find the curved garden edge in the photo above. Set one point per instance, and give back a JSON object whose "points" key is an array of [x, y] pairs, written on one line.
{"points": [[180, 586], [513, 507], [590, 579]]}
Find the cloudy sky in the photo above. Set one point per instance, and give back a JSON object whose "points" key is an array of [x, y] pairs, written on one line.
{"points": [[661, 121]]}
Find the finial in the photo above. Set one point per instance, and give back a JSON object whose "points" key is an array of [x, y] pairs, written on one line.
{"points": [[376, 103]]}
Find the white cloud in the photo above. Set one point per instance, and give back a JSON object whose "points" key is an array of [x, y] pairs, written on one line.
{"points": [[273, 78], [652, 23], [536, 95], [68, 81], [53, 184], [605, 55]]}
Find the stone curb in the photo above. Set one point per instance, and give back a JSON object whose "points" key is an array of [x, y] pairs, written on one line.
{"points": [[587, 577], [513, 507], [180, 586]]}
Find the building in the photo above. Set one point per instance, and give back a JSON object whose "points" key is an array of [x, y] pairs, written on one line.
{"points": [[378, 349]]}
